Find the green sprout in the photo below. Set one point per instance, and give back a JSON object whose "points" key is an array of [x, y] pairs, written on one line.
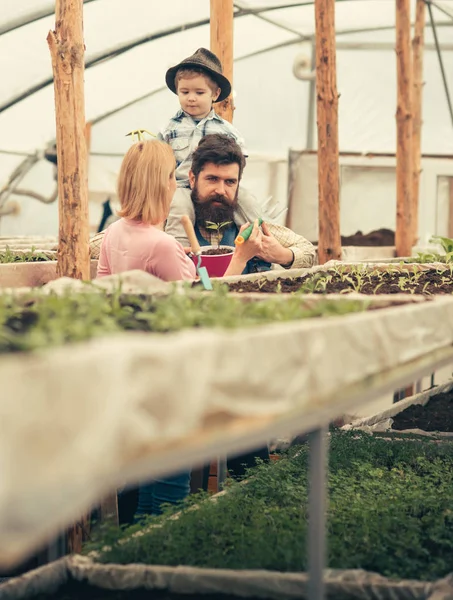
{"points": [[217, 227]]}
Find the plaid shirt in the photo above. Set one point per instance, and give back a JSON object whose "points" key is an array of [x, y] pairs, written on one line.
{"points": [[183, 134]]}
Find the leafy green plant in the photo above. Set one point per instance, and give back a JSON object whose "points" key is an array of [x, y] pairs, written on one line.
{"points": [[430, 257], [217, 227], [35, 321], [389, 511], [15, 256]]}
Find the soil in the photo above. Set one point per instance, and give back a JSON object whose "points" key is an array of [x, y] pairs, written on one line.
{"points": [[82, 591], [437, 415], [216, 251], [378, 237], [425, 282]]}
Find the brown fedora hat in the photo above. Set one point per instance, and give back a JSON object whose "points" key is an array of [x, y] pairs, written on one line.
{"points": [[207, 61]]}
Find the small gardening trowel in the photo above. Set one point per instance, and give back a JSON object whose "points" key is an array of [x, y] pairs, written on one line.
{"points": [[195, 246]]}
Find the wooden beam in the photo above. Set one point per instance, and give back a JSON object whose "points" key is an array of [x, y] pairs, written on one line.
{"points": [[109, 509], [222, 16], [78, 534], [329, 240], [67, 51], [404, 156], [418, 44]]}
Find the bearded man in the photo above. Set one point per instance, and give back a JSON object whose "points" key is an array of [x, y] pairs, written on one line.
{"points": [[217, 167]]}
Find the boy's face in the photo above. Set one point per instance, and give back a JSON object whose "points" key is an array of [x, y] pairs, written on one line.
{"points": [[196, 96]]}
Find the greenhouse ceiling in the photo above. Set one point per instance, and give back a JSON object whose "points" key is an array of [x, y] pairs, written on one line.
{"points": [[130, 45]]}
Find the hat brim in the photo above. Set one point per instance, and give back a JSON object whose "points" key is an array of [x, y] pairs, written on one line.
{"points": [[221, 80]]}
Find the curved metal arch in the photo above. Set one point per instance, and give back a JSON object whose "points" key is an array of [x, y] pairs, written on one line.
{"points": [[125, 47], [31, 18], [240, 12], [103, 56], [292, 42]]}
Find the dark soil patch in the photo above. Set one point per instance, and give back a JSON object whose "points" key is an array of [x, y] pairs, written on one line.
{"points": [[330, 282], [437, 415], [217, 251], [75, 590], [378, 237]]}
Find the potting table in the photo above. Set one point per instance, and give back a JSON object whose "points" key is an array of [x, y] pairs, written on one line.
{"points": [[256, 384], [316, 426]]}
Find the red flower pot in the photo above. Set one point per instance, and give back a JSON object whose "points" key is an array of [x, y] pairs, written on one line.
{"points": [[216, 264]]}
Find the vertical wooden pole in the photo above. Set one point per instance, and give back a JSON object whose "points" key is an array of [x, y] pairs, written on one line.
{"points": [[222, 16], [404, 156], [418, 43], [67, 51], [329, 240]]}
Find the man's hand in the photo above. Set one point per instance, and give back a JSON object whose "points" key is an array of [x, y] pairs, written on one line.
{"points": [[272, 251]]}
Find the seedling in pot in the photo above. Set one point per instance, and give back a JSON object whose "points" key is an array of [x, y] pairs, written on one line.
{"points": [[217, 227]]}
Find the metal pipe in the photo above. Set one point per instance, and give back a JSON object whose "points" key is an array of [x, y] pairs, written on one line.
{"points": [[222, 472], [311, 102], [317, 501], [441, 62]]}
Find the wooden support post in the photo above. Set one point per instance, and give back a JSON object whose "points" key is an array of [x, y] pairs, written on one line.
{"points": [[67, 51], [222, 15], [418, 43], [109, 509], [404, 156], [329, 240], [78, 534]]}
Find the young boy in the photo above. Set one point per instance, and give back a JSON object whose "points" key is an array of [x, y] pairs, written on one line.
{"points": [[198, 82]]}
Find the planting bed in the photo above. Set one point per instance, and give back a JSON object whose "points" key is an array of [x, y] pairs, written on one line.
{"points": [[21, 256], [165, 383], [389, 534], [263, 524], [33, 273], [342, 280], [379, 237], [428, 413], [437, 415]]}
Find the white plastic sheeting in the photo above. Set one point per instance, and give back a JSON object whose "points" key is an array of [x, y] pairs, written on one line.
{"points": [[130, 45], [271, 103], [135, 406]]}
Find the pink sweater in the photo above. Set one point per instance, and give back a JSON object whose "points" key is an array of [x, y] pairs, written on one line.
{"points": [[129, 245]]}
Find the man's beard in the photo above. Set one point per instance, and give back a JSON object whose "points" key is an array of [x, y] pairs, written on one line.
{"points": [[207, 211]]}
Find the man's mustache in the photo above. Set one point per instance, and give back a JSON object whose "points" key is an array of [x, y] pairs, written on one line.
{"points": [[220, 199]]}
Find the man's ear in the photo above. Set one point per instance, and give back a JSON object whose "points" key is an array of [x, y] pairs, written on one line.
{"points": [[191, 179]]}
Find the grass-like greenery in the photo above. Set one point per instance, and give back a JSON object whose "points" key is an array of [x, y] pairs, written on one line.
{"points": [[32, 322], [389, 512], [17, 256]]}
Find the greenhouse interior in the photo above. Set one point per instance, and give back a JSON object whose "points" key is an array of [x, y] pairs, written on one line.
{"points": [[226, 330]]}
